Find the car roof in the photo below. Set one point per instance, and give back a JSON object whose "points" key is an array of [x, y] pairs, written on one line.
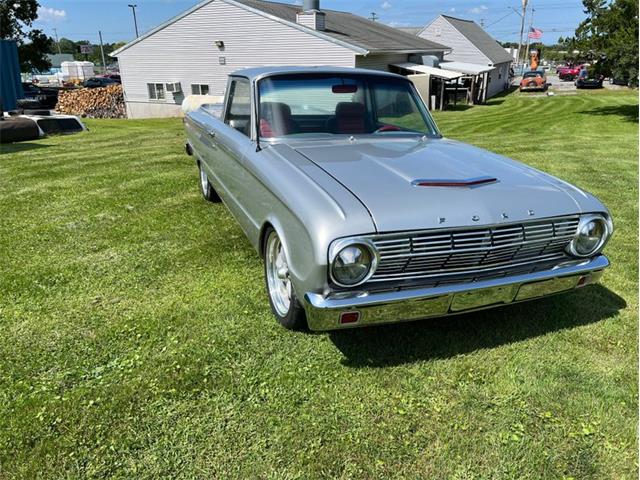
{"points": [[257, 73]]}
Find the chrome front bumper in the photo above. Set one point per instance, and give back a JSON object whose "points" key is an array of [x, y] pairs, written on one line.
{"points": [[325, 312]]}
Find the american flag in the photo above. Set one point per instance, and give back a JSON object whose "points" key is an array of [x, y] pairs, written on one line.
{"points": [[535, 33]]}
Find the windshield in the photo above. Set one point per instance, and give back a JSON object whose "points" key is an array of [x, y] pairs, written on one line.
{"points": [[337, 104], [532, 74]]}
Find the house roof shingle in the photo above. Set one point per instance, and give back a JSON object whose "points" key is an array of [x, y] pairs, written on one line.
{"points": [[353, 29], [481, 39]]}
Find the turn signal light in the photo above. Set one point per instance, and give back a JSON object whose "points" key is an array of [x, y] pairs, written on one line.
{"points": [[349, 317]]}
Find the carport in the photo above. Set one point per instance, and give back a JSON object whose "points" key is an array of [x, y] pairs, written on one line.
{"points": [[421, 77], [477, 74]]}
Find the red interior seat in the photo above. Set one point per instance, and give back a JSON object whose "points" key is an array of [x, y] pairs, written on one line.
{"points": [[350, 118], [275, 119]]}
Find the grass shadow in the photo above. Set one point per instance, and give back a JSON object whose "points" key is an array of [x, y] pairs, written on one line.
{"points": [[504, 93], [461, 107], [492, 102], [7, 148], [446, 337], [628, 112]]}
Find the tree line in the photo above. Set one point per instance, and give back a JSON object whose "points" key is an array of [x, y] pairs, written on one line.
{"points": [[607, 38], [73, 47], [16, 23]]}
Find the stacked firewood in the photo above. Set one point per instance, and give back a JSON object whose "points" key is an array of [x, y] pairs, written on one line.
{"points": [[106, 102]]}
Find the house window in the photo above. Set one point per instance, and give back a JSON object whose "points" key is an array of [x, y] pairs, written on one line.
{"points": [[156, 91], [199, 89], [438, 32]]}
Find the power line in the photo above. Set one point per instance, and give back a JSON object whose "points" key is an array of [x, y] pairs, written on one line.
{"points": [[499, 20]]}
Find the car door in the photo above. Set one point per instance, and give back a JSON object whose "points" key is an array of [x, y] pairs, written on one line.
{"points": [[227, 153]]}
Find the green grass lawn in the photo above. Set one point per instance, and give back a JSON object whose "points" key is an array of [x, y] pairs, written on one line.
{"points": [[136, 338]]}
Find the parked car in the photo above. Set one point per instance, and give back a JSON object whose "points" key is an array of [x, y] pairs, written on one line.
{"points": [[570, 72], [589, 81], [533, 80], [97, 82], [113, 76], [365, 214], [39, 97], [624, 82]]}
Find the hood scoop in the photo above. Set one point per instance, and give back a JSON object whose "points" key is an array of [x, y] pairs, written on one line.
{"points": [[464, 182]]}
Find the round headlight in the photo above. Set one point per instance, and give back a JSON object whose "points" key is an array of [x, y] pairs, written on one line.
{"points": [[593, 231], [352, 264]]}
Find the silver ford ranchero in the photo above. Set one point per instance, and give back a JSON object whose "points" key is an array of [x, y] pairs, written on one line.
{"points": [[365, 214]]}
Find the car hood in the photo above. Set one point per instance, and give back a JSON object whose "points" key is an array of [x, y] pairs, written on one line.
{"points": [[380, 174]]}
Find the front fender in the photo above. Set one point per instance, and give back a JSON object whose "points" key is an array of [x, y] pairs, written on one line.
{"points": [[307, 208]]}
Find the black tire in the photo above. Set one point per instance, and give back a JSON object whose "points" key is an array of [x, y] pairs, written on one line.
{"points": [[294, 318], [208, 192]]}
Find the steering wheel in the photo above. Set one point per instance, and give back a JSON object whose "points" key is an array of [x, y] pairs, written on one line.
{"points": [[388, 128]]}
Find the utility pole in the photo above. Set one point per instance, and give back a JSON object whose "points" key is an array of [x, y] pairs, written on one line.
{"points": [[373, 17], [529, 33], [522, 17], [104, 64], [135, 21], [55, 32], [482, 22]]}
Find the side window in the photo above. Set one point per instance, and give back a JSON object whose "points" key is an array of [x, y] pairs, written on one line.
{"points": [[238, 114], [199, 89], [156, 91], [395, 107]]}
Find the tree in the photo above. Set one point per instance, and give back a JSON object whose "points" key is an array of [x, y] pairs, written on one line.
{"points": [[31, 53], [15, 17], [67, 46], [73, 47], [609, 37]]}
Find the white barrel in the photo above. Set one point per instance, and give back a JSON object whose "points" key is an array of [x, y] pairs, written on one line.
{"points": [[194, 102]]}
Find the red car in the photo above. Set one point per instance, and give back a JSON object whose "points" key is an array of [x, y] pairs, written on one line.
{"points": [[570, 72]]}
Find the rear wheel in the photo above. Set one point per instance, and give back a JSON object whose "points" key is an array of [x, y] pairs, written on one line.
{"points": [[205, 187], [282, 298]]}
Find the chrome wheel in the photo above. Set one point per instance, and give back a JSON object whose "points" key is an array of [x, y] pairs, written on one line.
{"points": [[278, 280], [204, 181]]}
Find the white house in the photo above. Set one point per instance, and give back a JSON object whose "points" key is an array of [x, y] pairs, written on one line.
{"points": [[195, 51], [470, 44]]}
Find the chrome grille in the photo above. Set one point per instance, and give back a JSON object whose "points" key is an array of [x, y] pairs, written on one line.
{"points": [[437, 253]]}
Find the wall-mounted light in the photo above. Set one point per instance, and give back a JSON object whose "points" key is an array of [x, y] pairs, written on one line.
{"points": [[219, 44]]}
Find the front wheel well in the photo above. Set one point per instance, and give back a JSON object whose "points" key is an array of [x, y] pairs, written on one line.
{"points": [[266, 227]]}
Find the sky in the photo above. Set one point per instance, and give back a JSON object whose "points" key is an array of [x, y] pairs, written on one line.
{"points": [[81, 19]]}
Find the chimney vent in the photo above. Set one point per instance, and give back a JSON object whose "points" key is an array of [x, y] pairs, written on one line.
{"points": [[311, 16], [308, 5]]}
